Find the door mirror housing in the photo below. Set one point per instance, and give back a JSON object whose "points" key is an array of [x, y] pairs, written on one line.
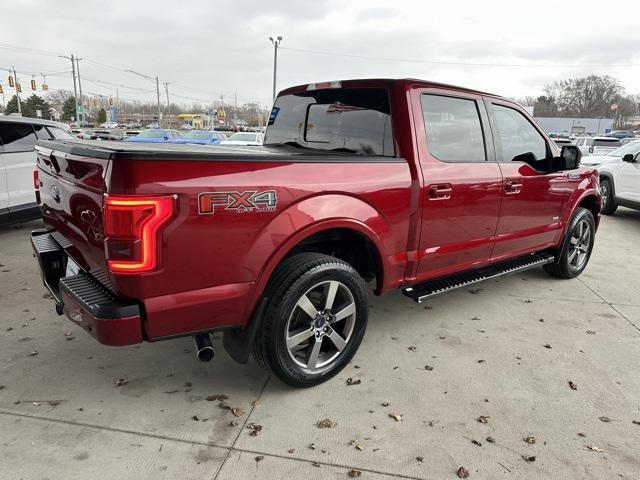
{"points": [[630, 158], [569, 159]]}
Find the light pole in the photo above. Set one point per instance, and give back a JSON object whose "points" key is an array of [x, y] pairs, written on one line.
{"points": [[73, 73], [276, 42], [15, 82], [156, 81]]}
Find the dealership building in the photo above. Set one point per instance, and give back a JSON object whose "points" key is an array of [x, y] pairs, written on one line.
{"points": [[575, 125]]}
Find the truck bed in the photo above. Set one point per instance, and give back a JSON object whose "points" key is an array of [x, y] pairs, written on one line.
{"points": [[140, 151]]}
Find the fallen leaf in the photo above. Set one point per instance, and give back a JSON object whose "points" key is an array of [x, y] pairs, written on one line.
{"points": [[394, 338], [54, 403], [386, 404], [233, 423], [594, 448], [255, 403], [573, 385], [420, 459], [120, 382], [462, 472], [356, 366], [474, 291], [530, 440], [359, 447], [428, 368], [220, 397], [411, 348], [326, 423], [255, 429], [529, 458], [351, 381], [481, 361], [483, 418], [353, 473], [475, 318], [591, 332], [546, 345], [396, 416], [635, 422], [580, 434], [292, 450], [33, 354], [312, 446], [476, 442], [172, 391], [605, 419], [24, 339], [69, 338], [528, 301], [259, 458], [195, 418], [237, 412], [490, 439], [315, 464]]}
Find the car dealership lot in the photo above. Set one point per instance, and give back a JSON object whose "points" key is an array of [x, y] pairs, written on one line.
{"points": [[506, 350]]}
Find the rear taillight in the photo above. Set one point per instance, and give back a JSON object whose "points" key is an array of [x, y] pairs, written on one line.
{"points": [[36, 180], [131, 226]]}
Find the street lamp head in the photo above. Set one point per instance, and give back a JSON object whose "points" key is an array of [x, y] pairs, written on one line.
{"points": [[271, 38], [279, 38]]}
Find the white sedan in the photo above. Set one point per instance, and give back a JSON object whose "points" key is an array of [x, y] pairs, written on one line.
{"points": [[243, 138], [109, 125]]}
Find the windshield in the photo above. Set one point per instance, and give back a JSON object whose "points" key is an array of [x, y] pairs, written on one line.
{"points": [[356, 120], [631, 147], [242, 137], [198, 134], [152, 134]]}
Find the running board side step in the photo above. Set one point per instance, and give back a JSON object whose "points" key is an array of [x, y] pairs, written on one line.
{"points": [[431, 288]]}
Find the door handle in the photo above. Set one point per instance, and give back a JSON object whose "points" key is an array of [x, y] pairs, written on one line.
{"points": [[440, 191], [512, 187]]}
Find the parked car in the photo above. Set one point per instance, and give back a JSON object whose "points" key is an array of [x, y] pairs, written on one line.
{"points": [[620, 134], [114, 134], [133, 125], [186, 126], [273, 244], [597, 145], [620, 180], [616, 155], [153, 125], [201, 137], [131, 133], [18, 136], [154, 135], [244, 138], [109, 125], [561, 142]]}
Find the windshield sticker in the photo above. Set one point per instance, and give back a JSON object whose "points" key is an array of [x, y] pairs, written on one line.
{"points": [[274, 114]]}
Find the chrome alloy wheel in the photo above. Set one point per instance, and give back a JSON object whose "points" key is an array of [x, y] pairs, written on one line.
{"points": [[604, 193], [579, 245], [320, 325]]}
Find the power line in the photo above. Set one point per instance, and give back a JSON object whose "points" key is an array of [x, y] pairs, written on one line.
{"points": [[469, 64]]}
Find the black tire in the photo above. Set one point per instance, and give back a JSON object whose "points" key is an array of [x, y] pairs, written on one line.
{"points": [[307, 275], [566, 264], [609, 205]]}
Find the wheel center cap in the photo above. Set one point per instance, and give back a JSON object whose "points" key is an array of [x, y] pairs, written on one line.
{"points": [[319, 322]]}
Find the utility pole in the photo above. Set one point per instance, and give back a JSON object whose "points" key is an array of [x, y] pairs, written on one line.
{"points": [[73, 74], [15, 82], [158, 93], [275, 43], [80, 89], [166, 89]]}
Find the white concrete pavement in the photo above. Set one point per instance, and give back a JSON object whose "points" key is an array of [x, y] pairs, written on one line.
{"points": [[62, 417]]}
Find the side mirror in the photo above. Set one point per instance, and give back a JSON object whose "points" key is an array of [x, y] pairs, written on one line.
{"points": [[629, 158], [165, 137], [569, 158]]}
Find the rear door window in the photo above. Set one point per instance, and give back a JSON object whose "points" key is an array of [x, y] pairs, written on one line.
{"points": [[17, 137], [42, 132], [454, 131], [603, 142]]}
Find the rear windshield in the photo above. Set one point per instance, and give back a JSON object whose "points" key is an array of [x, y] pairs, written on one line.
{"points": [[243, 137], [605, 142], [355, 120]]}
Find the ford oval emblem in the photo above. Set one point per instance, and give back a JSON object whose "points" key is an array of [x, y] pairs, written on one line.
{"points": [[55, 193]]}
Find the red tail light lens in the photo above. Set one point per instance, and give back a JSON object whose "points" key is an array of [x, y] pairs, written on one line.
{"points": [[36, 179], [131, 225]]}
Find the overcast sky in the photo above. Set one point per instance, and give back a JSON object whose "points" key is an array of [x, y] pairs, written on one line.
{"points": [[208, 48]]}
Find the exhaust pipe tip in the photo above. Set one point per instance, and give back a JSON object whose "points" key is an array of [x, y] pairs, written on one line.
{"points": [[204, 349]]}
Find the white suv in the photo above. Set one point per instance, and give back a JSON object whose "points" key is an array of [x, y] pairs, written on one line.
{"points": [[620, 180], [18, 136], [597, 145]]}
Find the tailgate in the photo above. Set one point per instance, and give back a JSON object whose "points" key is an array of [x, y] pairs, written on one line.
{"points": [[71, 189]]}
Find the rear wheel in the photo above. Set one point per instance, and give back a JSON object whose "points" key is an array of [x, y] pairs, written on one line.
{"points": [[608, 200], [577, 247], [315, 319]]}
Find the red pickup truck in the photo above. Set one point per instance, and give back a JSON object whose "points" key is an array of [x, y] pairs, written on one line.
{"points": [[406, 183]]}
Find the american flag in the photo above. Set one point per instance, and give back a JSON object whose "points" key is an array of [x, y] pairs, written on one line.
{"points": [[339, 107]]}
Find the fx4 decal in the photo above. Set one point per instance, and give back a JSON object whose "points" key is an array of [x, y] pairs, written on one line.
{"points": [[240, 202]]}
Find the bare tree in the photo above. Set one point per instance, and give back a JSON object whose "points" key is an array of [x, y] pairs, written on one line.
{"points": [[590, 96]]}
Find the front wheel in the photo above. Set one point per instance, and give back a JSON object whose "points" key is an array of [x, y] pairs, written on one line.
{"points": [[315, 319], [575, 254]]}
